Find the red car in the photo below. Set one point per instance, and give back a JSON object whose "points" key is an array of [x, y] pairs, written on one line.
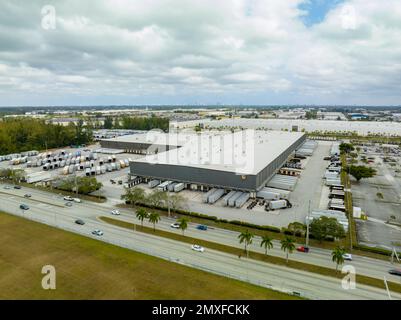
{"points": [[303, 249]]}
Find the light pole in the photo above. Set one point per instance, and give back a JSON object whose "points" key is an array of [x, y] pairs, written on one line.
{"points": [[307, 226], [168, 202]]}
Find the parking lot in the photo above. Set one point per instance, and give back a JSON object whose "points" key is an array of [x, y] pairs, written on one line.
{"points": [[380, 198]]}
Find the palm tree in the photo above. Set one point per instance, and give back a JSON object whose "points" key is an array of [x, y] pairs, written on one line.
{"points": [[183, 222], [246, 238], [267, 243], [141, 214], [288, 245], [154, 218], [337, 256]]}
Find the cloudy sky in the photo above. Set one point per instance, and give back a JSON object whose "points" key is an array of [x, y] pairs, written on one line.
{"points": [[200, 52]]}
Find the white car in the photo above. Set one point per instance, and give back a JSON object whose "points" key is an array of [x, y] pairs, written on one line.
{"points": [[97, 232], [175, 225], [77, 200], [197, 248], [115, 212], [347, 256], [68, 198]]}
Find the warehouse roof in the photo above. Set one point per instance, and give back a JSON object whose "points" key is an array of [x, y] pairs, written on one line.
{"points": [[242, 152]]}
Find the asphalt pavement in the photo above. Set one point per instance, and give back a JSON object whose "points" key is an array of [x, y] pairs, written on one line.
{"points": [[50, 209]]}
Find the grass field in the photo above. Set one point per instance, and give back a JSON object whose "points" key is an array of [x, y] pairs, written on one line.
{"points": [[90, 269]]}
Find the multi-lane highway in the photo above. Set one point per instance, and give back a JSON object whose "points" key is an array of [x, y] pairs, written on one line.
{"points": [[50, 209]]}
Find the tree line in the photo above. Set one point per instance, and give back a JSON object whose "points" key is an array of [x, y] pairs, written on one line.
{"points": [[136, 123], [24, 134]]}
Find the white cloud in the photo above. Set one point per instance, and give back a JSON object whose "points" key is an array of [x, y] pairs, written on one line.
{"points": [[204, 49]]}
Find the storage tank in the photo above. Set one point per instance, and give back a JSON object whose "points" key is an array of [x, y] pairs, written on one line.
{"points": [[126, 161], [113, 157], [65, 170], [108, 168], [87, 172], [103, 169], [122, 164], [118, 166], [98, 170], [71, 169], [113, 166]]}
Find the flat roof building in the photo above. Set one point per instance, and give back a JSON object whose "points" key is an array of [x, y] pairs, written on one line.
{"points": [[243, 160]]}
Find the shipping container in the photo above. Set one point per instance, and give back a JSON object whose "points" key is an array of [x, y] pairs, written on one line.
{"points": [[179, 187], [277, 204], [206, 195], [171, 186], [153, 183], [267, 195], [242, 200], [228, 196], [164, 185], [215, 196], [231, 201]]}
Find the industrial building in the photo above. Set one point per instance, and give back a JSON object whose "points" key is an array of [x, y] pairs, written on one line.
{"points": [[243, 160]]}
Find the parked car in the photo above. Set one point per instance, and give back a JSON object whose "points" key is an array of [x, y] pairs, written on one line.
{"points": [[197, 248], [97, 232], [17, 187], [7, 187], [28, 195], [347, 256], [201, 227], [77, 200], [303, 249], [115, 212], [24, 207], [396, 272], [175, 225], [80, 222], [68, 198]]}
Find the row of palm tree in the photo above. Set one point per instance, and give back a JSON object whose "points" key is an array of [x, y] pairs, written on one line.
{"points": [[245, 237], [154, 218], [287, 244]]}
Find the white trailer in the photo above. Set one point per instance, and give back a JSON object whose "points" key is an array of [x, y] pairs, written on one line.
{"points": [[277, 204], [179, 187], [153, 183]]}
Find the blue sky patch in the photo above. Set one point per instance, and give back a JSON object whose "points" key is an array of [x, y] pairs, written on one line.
{"points": [[317, 10]]}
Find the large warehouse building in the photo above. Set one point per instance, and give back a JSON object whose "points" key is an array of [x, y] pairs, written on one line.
{"points": [[244, 160]]}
